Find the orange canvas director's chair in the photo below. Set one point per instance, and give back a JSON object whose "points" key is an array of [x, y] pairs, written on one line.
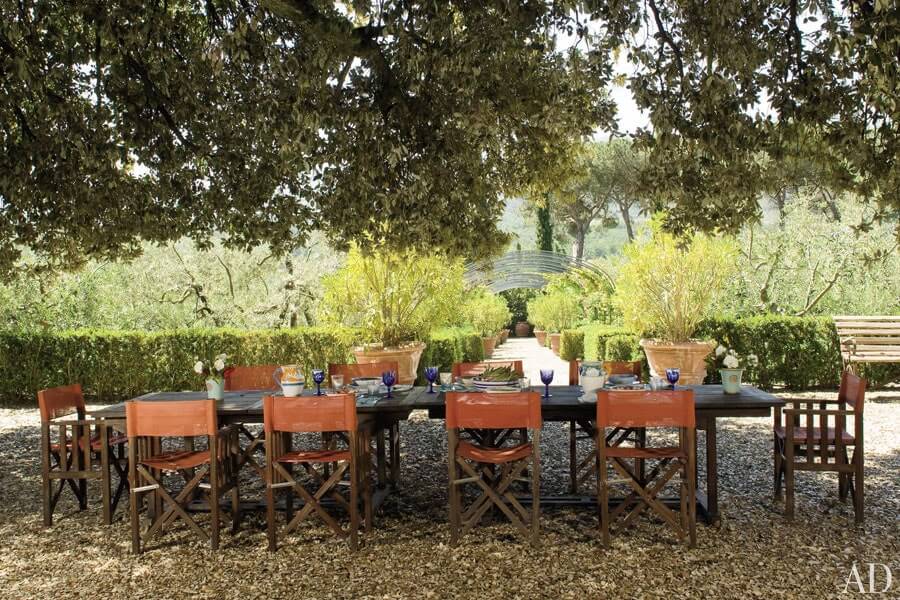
{"points": [[648, 409], [76, 454], [211, 471], [252, 378], [585, 470], [493, 469], [315, 414]]}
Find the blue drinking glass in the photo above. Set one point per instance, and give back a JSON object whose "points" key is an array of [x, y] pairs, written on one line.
{"points": [[431, 374], [318, 377], [389, 378], [547, 379], [672, 376]]}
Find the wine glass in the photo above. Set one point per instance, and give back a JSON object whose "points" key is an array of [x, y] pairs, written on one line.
{"points": [[431, 374], [672, 376], [318, 377], [389, 378], [547, 379]]}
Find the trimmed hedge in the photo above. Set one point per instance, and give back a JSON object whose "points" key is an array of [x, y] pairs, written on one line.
{"points": [[796, 352], [112, 365], [449, 345], [571, 346]]}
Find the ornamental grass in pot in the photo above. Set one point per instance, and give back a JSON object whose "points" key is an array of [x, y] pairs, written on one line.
{"points": [[396, 299], [666, 287]]}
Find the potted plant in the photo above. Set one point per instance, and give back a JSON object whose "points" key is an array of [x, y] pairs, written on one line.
{"points": [[537, 315], [666, 287], [213, 373], [561, 312], [487, 313], [517, 301], [729, 364], [395, 298]]}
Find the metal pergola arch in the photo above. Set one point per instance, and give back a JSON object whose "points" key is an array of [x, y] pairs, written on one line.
{"points": [[526, 269]]}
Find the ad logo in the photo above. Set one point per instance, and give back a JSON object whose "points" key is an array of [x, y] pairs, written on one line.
{"points": [[877, 579]]}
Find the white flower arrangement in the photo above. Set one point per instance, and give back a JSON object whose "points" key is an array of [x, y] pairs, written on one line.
{"points": [[732, 360], [215, 369]]}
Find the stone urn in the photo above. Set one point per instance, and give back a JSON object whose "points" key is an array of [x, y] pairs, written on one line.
{"points": [[555, 341], [407, 357], [522, 329], [541, 337], [688, 357], [488, 344]]}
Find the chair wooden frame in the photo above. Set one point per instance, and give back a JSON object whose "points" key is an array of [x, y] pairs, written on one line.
{"points": [[675, 409], [217, 464], [256, 378], [351, 370], [70, 459], [286, 416], [813, 435], [583, 470], [494, 469]]}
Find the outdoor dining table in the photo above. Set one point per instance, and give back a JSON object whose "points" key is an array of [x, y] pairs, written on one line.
{"points": [[565, 404]]}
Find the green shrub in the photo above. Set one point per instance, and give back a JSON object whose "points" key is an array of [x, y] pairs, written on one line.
{"points": [[668, 285], [572, 345], [486, 312], [112, 365], [795, 352], [517, 301], [449, 345], [623, 348], [595, 337]]}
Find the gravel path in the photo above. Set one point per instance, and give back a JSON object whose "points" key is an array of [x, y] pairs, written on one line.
{"points": [[753, 553]]}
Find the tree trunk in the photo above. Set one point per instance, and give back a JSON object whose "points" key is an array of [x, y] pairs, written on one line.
{"points": [[578, 243], [626, 219]]}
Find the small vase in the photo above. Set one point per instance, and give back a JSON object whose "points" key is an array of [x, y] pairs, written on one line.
{"points": [[215, 389], [731, 380]]}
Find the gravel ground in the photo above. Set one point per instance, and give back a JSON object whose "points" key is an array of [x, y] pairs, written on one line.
{"points": [[753, 553]]}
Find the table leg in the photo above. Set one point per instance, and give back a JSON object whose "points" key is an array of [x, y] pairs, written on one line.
{"points": [[380, 458], [712, 470], [394, 436]]}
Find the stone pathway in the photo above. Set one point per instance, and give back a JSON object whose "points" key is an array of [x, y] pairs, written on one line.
{"points": [[534, 358]]}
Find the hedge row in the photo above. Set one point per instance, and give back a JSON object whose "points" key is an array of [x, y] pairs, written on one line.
{"points": [[112, 365], [449, 345], [796, 352]]}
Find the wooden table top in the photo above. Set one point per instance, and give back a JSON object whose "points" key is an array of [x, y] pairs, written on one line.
{"points": [[565, 399]]}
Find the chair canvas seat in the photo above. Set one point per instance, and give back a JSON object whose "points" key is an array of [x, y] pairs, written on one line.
{"points": [[801, 433], [176, 461], [494, 456], [314, 456]]}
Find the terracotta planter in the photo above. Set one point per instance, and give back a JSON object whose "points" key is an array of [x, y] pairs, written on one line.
{"points": [[541, 337], [689, 357], [522, 329], [502, 336], [488, 343], [407, 358], [555, 339]]}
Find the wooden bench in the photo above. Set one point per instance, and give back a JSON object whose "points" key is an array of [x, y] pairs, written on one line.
{"points": [[873, 339]]}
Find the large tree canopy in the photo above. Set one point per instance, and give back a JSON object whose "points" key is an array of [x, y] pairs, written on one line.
{"points": [[396, 122], [402, 122], [731, 84]]}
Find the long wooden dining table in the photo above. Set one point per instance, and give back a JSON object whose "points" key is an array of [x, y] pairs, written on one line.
{"points": [[565, 404]]}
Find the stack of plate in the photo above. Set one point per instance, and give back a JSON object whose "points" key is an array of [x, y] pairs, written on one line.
{"points": [[496, 386]]}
